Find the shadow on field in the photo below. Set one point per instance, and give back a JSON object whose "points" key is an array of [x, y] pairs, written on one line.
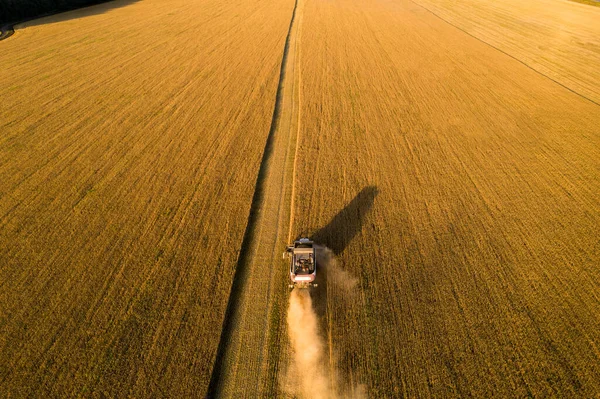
{"points": [[65, 14], [333, 239], [348, 222]]}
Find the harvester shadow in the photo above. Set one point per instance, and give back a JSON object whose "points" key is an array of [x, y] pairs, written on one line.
{"points": [[333, 239], [348, 222]]}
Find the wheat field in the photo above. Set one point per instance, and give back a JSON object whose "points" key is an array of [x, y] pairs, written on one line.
{"points": [[556, 38], [157, 155], [131, 136], [461, 189]]}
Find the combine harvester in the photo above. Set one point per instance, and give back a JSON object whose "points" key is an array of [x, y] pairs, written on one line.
{"points": [[303, 265]]}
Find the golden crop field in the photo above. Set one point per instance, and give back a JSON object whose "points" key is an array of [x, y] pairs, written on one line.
{"points": [[556, 38], [462, 189], [131, 135], [157, 156]]}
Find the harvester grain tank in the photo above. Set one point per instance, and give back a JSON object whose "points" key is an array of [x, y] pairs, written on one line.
{"points": [[303, 263]]}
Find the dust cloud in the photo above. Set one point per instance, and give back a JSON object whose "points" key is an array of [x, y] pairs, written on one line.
{"points": [[336, 276], [308, 375]]}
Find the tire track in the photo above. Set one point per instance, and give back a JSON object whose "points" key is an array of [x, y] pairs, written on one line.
{"points": [[241, 367], [506, 53]]}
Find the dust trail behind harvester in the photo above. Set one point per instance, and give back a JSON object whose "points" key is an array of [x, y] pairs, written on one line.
{"points": [[307, 372], [308, 375], [337, 276]]}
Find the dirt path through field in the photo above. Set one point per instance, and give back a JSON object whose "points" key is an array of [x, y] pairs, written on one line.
{"points": [[242, 365]]}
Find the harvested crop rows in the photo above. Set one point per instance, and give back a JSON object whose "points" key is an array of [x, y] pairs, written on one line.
{"points": [[556, 38], [247, 362]]}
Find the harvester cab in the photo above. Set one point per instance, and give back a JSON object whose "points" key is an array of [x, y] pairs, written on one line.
{"points": [[303, 264]]}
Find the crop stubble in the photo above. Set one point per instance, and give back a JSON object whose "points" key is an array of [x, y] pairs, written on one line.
{"points": [[556, 38], [130, 140], [249, 352], [477, 263]]}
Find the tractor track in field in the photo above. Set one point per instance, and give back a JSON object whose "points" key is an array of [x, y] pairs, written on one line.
{"points": [[507, 54], [243, 367]]}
